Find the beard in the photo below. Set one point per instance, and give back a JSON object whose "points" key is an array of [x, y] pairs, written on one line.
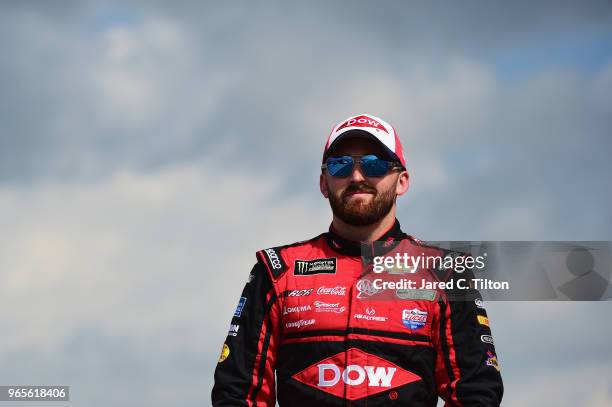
{"points": [[357, 212]]}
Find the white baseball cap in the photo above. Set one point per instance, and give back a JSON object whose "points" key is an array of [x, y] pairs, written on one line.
{"points": [[368, 127]]}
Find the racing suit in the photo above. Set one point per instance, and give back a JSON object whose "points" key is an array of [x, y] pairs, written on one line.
{"points": [[311, 314]]}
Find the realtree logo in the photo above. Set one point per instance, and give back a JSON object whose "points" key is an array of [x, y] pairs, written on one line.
{"points": [[338, 375]]}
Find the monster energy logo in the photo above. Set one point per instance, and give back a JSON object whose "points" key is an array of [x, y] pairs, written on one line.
{"points": [[316, 266]]}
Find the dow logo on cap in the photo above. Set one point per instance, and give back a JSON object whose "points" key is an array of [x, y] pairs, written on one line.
{"points": [[362, 121]]}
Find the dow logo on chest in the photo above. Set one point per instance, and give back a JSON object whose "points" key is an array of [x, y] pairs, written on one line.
{"points": [[354, 374]]}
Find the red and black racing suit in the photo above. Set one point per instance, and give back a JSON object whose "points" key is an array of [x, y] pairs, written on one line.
{"points": [[310, 314]]}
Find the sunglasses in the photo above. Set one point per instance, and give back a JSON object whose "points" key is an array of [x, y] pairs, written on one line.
{"points": [[371, 165]]}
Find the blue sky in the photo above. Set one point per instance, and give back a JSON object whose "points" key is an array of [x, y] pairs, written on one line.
{"points": [[148, 149]]}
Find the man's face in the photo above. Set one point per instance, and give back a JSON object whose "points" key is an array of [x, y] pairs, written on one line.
{"points": [[359, 200]]}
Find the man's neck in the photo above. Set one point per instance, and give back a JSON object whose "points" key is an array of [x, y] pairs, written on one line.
{"points": [[368, 233]]}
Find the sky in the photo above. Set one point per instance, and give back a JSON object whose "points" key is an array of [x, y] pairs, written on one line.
{"points": [[148, 149]]}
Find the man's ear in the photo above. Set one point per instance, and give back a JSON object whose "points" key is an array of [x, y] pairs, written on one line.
{"points": [[323, 185], [403, 183]]}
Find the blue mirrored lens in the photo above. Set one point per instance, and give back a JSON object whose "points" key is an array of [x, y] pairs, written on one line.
{"points": [[340, 166], [372, 166]]}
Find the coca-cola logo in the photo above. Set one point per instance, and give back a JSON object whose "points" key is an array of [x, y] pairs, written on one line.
{"points": [[333, 374], [337, 290]]}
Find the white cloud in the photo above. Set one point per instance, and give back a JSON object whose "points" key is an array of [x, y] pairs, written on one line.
{"points": [[137, 70], [138, 252]]}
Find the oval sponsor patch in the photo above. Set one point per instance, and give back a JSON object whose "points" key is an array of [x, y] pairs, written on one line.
{"points": [[224, 353], [487, 339]]}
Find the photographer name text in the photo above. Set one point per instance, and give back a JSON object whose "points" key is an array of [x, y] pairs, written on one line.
{"points": [[459, 283]]}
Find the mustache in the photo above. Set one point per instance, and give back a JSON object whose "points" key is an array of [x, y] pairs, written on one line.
{"points": [[358, 187]]}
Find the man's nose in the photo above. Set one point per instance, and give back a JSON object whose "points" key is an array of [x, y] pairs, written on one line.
{"points": [[356, 174]]}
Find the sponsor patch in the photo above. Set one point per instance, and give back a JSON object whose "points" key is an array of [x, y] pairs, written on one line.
{"points": [[479, 303], [482, 320], [299, 308], [416, 294], [240, 307], [376, 318], [370, 315], [316, 266], [487, 339], [274, 259], [492, 360], [233, 331], [300, 323], [299, 293], [414, 318], [365, 288], [329, 307], [362, 121], [337, 290], [224, 353], [354, 374]]}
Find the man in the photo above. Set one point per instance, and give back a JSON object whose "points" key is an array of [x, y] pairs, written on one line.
{"points": [[312, 328]]}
